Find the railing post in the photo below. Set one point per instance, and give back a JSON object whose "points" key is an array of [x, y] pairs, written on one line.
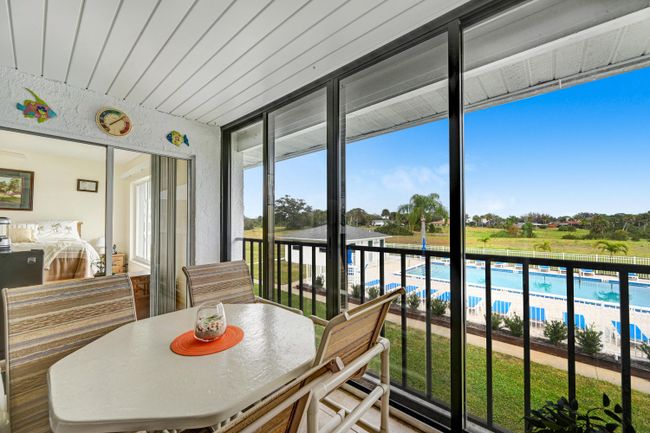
{"points": [[300, 278], [403, 316], [626, 370], [457, 226], [427, 325], [571, 340], [526, 295], [488, 342], [313, 280], [279, 272], [362, 277], [289, 263]]}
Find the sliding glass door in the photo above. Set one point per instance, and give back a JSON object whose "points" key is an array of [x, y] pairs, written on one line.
{"points": [[169, 186], [150, 234]]}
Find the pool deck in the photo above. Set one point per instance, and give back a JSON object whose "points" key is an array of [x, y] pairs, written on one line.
{"points": [[599, 314]]}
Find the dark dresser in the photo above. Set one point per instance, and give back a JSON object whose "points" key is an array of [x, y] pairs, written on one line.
{"points": [[18, 269]]}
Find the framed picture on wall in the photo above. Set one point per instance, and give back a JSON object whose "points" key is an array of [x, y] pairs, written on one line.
{"points": [[87, 185], [16, 189]]}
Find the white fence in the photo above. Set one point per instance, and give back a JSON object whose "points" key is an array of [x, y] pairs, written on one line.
{"points": [[630, 260]]}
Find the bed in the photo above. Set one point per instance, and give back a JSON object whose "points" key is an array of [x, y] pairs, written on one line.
{"points": [[66, 254]]}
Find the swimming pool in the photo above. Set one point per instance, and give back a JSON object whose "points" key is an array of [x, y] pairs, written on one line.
{"points": [[587, 288]]}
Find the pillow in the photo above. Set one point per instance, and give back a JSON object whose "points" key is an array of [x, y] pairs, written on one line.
{"points": [[57, 230], [22, 233]]}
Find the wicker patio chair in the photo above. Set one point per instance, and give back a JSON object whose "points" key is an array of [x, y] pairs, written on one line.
{"points": [[227, 282], [48, 322]]}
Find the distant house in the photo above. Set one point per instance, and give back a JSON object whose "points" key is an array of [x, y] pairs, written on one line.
{"points": [[354, 236], [379, 223]]}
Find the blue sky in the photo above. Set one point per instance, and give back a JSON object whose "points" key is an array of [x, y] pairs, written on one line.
{"points": [[583, 148]]}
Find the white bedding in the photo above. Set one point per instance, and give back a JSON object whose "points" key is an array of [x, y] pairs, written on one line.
{"points": [[56, 248]]}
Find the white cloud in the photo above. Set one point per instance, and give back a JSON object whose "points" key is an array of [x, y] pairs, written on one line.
{"points": [[418, 179]]}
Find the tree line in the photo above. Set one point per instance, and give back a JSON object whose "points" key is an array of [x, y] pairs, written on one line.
{"points": [[294, 214]]}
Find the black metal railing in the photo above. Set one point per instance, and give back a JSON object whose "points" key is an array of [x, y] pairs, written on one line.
{"points": [[434, 407]]}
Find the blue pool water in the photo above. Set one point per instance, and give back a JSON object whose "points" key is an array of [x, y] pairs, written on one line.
{"points": [[543, 283]]}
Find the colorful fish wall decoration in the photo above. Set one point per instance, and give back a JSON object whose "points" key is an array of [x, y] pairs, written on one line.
{"points": [[37, 109], [177, 138]]}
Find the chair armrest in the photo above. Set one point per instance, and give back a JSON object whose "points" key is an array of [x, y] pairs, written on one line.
{"points": [[266, 301], [318, 321]]}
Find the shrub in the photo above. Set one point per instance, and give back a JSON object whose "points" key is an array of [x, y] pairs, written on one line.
{"points": [[514, 324], [564, 417], [645, 348], [566, 229], [589, 340], [527, 230], [373, 292], [413, 301], [504, 234], [619, 235], [356, 291], [497, 321], [556, 331], [438, 307], [394, 230], [571, 237]]}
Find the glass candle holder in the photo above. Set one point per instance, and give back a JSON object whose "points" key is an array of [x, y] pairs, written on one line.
{"points": [[210, 322]]}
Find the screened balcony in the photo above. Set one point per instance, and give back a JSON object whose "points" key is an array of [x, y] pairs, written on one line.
{"points": [[324, 216]]}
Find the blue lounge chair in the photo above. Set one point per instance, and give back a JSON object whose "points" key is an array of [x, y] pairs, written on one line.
{"points": [[537, 315], [579, 320], [409, 289], [636, 335], [501, 307], [544, 268], [445, 296], [372, 283], [391, 286], [473, 303], [423, 293]]}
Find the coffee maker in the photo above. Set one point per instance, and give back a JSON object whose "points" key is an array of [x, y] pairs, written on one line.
{"points": [[5, 242]]}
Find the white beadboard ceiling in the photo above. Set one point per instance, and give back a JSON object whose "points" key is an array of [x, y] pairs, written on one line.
{"points": [[532, 51], [214, 61], [206, 60]]}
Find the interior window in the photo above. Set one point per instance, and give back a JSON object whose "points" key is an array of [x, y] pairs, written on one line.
{"points": [[141, 220]]}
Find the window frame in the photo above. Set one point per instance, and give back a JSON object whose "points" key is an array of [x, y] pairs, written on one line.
{"points": [[133, 221]]}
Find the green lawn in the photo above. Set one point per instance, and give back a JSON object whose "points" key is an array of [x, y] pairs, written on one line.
{"points": [[508, 396], [284, 266], [552, 236], [474, 234]]}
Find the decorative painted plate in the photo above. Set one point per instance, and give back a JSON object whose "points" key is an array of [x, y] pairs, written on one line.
{"points": [[113, 122]]}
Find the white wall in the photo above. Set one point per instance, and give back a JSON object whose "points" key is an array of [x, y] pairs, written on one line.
{"points": [[76, 110], [55, 187]]}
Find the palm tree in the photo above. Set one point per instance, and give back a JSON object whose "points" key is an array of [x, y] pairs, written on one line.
{"points": [[612, 247], [485, 239], [422, 206], [543, 246]]}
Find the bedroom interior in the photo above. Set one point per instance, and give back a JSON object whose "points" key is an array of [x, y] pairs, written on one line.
{"points": [[59, 207]]}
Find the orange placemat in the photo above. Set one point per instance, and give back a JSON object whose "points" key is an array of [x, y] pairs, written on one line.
{"points": [[186, 345]]}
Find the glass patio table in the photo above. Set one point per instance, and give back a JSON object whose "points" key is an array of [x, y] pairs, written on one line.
{"points": [[130, 380]]}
